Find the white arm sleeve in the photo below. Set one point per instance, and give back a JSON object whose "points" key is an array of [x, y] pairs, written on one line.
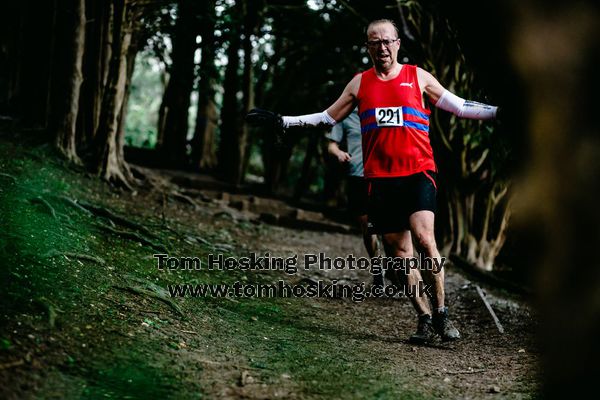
{"points": [[317, 119], [465, 108]]}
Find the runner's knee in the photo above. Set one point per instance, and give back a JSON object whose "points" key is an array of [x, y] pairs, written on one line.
{"points": [[401, 251], [426, 241], [397, 247]]}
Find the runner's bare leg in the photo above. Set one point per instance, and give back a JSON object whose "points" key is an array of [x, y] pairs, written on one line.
{"points": [[421, 226], [400, 244]]}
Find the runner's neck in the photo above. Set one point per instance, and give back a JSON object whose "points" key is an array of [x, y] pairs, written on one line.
{"points": [[389, 74]]}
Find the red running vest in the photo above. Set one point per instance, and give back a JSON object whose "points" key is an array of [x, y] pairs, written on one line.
{"points": [[394, 125]]}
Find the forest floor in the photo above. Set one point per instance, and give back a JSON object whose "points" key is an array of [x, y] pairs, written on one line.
{"points": [[85, 312]]}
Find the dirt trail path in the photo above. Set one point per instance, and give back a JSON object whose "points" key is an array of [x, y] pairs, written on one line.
{"points": [[483, 364]]}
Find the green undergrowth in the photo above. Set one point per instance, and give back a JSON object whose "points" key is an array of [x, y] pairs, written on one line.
{"points": [[89, 307]]}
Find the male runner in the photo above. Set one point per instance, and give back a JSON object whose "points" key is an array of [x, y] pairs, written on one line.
{"points": [[397, 156]]}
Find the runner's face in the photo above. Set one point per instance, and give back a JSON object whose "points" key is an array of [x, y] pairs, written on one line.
{"points": [[381, 55]]}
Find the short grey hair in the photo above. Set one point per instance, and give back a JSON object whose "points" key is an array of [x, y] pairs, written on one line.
{"points": [[382, 21]]}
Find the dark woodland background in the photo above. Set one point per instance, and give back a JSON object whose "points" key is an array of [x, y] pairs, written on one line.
{"points": [[166, 84]]}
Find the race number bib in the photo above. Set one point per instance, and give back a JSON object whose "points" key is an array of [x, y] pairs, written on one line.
{"points": [[389, 116]]}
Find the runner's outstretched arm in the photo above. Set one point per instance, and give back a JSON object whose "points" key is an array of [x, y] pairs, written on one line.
{"points": [[339, 110], [448, 101]]}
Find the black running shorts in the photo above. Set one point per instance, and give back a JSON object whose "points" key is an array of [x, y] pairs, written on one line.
{"points": [[393, 200], [357, 191]]}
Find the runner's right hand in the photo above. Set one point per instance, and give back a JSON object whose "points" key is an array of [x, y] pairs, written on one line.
{"points": [[267, 119]]}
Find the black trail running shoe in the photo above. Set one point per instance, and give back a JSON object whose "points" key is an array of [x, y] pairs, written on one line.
{"points": [[443, 326], [378, 280], [425, 332]]}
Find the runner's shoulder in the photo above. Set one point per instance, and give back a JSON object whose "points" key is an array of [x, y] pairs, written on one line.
{"points": [[354, 83]]}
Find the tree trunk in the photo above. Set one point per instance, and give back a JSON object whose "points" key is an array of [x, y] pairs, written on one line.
{"points": [[234, 134], [66, 134], [162, 112], [204, 147], [130, 60], [204, 144], [95, 65], [51, 62], [251, 12], [176, 101], [34, 57], [110, 165], [12, 21], [230, 113]]}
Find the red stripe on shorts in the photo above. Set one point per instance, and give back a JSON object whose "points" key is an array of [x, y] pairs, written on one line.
{"points": [[431, 179]]}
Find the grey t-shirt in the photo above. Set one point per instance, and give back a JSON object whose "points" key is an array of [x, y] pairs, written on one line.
{"points": [[349, 129]]}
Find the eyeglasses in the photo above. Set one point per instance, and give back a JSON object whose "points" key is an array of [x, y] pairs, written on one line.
{"points": [[385, 42]]}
